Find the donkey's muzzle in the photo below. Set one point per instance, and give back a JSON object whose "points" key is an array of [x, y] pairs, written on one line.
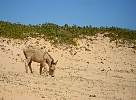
{"points": [[51, 72]]}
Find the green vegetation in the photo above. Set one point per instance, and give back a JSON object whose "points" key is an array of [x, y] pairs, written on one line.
{"points": [[63, 34]]}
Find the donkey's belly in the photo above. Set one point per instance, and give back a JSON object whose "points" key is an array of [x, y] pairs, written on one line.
{"points": [[37, 59]]}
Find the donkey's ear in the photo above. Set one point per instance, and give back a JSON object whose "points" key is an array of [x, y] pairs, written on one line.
{"points": [[56, 62]]}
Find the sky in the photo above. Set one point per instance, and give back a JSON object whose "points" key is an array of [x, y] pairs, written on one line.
{"points": [[120, 13]]}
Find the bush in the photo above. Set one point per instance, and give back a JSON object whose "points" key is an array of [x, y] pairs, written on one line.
{"points": [[63, 34]]}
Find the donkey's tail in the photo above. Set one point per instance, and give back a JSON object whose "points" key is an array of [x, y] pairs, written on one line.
{"points": [[25, 54]]}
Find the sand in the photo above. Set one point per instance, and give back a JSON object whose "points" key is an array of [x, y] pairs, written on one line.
{"points": [[96, 69]]}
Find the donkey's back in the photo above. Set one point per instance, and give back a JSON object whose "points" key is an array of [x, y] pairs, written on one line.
{"points": [[35, 54]]}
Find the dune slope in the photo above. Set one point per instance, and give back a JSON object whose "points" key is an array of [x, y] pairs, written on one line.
{"points": [[94, 70]]}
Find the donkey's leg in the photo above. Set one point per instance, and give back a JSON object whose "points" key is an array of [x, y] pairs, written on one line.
{"points": [[26, 64], [26, 67], [41, 66], [29, 64], [45, 70]]}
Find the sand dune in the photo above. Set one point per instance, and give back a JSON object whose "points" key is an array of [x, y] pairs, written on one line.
{"points": [[96, 69]]}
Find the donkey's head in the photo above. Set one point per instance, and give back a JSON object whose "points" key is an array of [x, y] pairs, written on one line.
{"points": [[52, 68]]}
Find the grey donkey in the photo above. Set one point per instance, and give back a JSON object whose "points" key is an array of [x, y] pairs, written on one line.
{"points": [[39, 56]]}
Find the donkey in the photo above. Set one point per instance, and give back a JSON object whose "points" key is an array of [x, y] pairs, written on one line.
{"points": [[39, 56]]}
